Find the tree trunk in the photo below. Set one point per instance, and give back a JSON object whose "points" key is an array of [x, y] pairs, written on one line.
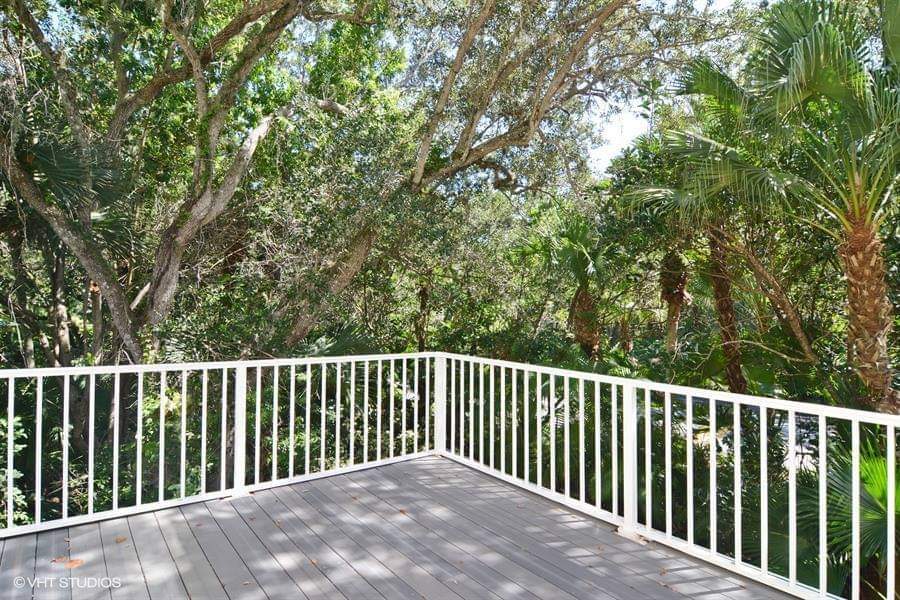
{"points": [[340, 275], [421, 322], [673, 283], [731, 346], [583, 322], [869, 313], [60, 311], [774, 291]]}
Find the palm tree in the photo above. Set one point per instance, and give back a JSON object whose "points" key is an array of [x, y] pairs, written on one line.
{"points": [[821, 95]]}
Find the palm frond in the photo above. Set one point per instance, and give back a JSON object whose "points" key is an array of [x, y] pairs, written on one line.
{"points": [[703, 77], [890, 33], [813, 49]]}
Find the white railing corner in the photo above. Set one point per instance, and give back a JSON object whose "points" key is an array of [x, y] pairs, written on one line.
{"points": [[440, 404], [629, 525], [240, 430]]}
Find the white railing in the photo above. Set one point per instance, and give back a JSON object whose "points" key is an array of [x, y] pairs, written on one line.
{"points": [[620, 449], [88, 443], [794, 486]]}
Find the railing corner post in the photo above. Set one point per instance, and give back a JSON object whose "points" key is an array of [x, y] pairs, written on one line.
{"points": [[240, 430], [440, 404], [628, 528]]}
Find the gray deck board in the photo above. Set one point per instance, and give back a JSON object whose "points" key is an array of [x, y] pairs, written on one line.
{"points": [[364, 562], [230, 568], [85, 546], [344, 577], [427, 528], [50, 562], [313, 582], [361, 508], [17, 560], [272, 578], [157, 564], [122, 560], [524, 522], [419, 578]]}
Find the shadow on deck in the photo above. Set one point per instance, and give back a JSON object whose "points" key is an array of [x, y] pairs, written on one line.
{"points": [[425, 528]]}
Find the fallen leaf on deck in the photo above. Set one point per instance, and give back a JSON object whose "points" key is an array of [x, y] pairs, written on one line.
{"points": [[74, 563], [60, 559], [120, 539]]}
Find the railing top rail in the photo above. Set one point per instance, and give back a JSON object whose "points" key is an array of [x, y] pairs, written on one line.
{"points": [[806, 408], [199, 366], [803, 408]]}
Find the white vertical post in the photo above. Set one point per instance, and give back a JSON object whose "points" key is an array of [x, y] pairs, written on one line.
{"points": [[117, 408], [648, 449], [515, 423], [337, 415], [503, 419], [551, 406], [823, 507], [240, 429], [538, 433], [416, 400], [855, 512], [257, 426], [567, 446], [366, 411], [891, 513], [614, 446], [203, 410], [292, 416], [274, 422], [440, 405], [713, 478], [581, 435], [306, 424], [629, 462], [526, 424], [792, 498], [323, 434], [738, 515], [427, 403], [352, 412], [38, 466], [452, 406], [403, 414], [492, 445], [392, 386], [471, 439], [182, 459], [598, 449], [667, 410], [92, 403], [764, 488], [161, 466], [378, 409], [689, 465], [139, 439], [481, 412], [223, 433], [10, 447]]}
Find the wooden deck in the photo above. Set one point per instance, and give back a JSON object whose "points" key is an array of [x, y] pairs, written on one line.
{"points": [[425, 528]]}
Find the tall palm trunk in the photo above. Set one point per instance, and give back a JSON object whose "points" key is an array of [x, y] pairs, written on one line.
{"points": [[583, 321], [673, 278], [869, 313], [731, 346]]}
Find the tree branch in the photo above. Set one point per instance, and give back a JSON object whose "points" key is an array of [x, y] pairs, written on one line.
{"points": [[84, 248], [431, 127]]}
